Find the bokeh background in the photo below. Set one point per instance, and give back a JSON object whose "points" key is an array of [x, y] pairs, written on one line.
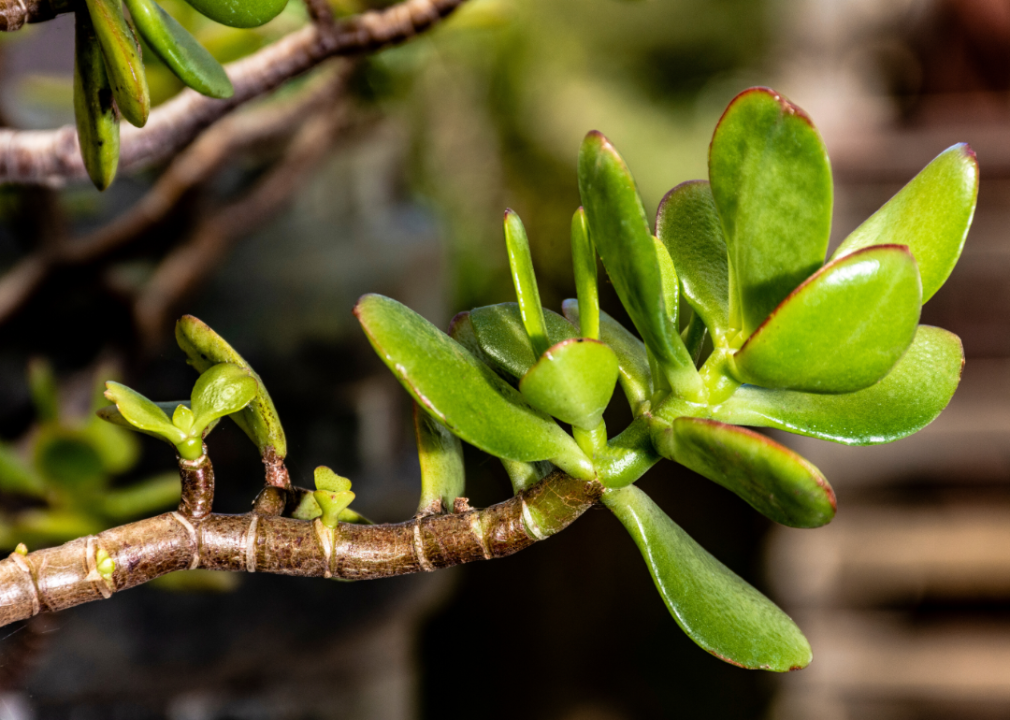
{"points": [[905, 597]]}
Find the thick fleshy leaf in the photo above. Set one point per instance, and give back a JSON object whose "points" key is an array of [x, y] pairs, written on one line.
{"points": [[441, 454], [329, 481], [632, 360], [670, 283], [840, 331], [259, 420], [525, 282], [123, 61], [111, 414], [463, 393], [141, 413], [773, 479], [712, 604], [584, 266], [573, 381], [931, 215], [688, 224], [240, 13], [905, 401], [772, 185], [94, 112], [620, 232], [503, 340], [187, 58], [222, 389]]}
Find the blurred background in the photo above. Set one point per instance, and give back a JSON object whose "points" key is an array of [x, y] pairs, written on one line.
{"points": [[390, 175]]}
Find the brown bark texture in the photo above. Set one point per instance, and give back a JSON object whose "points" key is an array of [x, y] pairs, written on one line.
{"points": [[58, 578]]}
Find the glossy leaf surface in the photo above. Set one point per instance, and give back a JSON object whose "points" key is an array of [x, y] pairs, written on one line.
{"points": [[573, 381], [111, 414], [620, 232], [931, 215], [259, 420], [670, 283], [525, 282], [141, 413], [94, 112], [841, 330], [584, 267], [503, 340], [773, 479], [905, 401], [772, 185], [463, 393], [441, 455], [632, 360], [688, 225], [712, 604], [187, 58], [123, 61], [221, 390], [240, 13]]}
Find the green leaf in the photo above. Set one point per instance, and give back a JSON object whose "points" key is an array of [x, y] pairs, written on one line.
{"points": [[330, 481], [332, 504], [632, 360], [842, 330], [525, 475], [244, 14], [905, 401], [118, 448], [112, 415], [773, 479], [17, 477], [259, 420], [179, 50], [503, 341], [525, 282], [67, 460], [584, 266], [670, 284], [464, 394], [714, 606], [620, 232], [772, 185], [94, 112], [222, 389], [688, 224], [123, 61], [931, 215], [141, 413], [141, 498], [573, 381], [441, 456]]}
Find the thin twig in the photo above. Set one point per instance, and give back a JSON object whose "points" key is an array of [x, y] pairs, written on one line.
{"points": [[53, 156]]}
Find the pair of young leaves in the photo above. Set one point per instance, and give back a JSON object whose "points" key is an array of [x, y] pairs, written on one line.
{"points": [[742, 252], [109, 70]]}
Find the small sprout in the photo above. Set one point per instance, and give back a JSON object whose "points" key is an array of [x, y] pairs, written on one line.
{"points": [[21, 549], [222, 390], [104, 564], [333, 495]]}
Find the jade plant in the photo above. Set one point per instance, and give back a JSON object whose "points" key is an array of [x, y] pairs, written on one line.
{"points": [[772, 335]]}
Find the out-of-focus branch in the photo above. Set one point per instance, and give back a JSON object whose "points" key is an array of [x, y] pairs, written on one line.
{"points": [[53, 155], [321, 13], [183, 269], [15, 13], [193, 166]]}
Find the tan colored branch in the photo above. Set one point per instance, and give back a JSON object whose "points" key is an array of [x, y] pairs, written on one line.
{"points": [[15, 13], [58, 578], [47, 156]]}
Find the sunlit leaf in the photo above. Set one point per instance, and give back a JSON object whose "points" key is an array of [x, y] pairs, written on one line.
{"points": [[141, 413], [123, 61], [573, 381], [584, 268], [503, 340], [244, 14], [525, 282], [222, 389]]}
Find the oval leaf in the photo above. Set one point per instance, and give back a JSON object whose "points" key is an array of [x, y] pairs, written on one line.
{"points": [[123, 61], [111, 414], [772, 185], [688, 225], [584, 266], [441, 454], [94, 112], [620, 232], [187, 58], [221, 390], [259, 420], [244, 14], [632, 359], [773, 479], [712, 604], [525, 282], [142, 414], [464, 394], [573, 381], [931, 215], [503, 340], [840, 331], [905, 401]]}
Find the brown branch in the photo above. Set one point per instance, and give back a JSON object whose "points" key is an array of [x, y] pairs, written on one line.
{"points": [[197, 486], [15, 13], [58, 578], [182, 269], [53, 155]]}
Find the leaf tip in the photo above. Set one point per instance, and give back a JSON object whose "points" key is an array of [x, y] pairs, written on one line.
{"points": [[456, 320]]}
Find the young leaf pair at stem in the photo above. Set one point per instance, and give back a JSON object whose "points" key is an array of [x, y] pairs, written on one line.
{"points": [[109, 70], [833, 351]]}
